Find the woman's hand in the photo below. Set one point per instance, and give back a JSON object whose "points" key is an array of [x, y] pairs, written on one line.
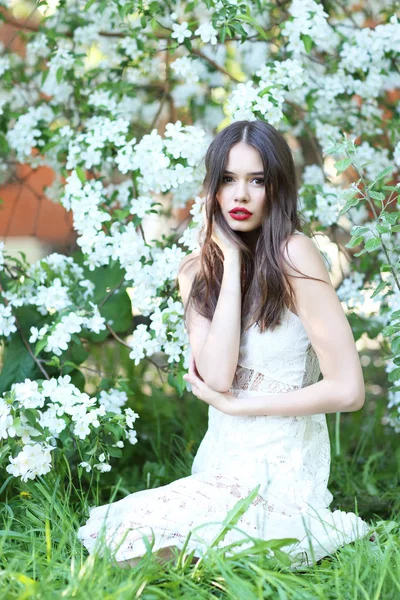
{"points": [[201, 390], [227, 246]]}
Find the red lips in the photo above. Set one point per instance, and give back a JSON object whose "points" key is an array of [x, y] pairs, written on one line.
{"points": [[241, 210]]}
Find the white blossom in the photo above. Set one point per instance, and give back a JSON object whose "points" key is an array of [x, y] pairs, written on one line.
{"points": [[6, 420], [113, 399], [85, 465], [308, 19], [28, 394], [207, 33], [181, 31], [32, 460], [131, 417], [7, 321], [132, 436], [103, 467]]}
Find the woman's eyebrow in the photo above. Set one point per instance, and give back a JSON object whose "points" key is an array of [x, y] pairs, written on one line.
{"points": [[254, 173]]}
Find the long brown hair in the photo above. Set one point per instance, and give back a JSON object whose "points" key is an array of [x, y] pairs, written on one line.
{"points": [[265, 287]]}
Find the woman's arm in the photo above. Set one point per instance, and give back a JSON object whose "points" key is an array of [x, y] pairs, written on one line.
{"points": [[322, 397], [218, 357], [318, 306], [342, 387], [215, 344]]}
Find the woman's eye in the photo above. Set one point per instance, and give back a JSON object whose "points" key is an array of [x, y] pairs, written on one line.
{"points": [[260, 180]]}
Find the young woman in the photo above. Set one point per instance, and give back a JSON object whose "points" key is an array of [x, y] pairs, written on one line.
{"points": [[260, 336]]}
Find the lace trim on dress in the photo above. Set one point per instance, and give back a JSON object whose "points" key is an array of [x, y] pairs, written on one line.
{"points": [[252, 380], [246, 379]]}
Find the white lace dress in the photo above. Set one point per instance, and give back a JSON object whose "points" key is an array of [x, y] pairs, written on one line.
{"points": [[288, 456]]}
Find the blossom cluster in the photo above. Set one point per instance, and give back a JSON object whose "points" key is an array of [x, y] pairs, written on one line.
{"points": [[277, 81], [166, 333], [88, 107], [43, 416], [57, 288]]}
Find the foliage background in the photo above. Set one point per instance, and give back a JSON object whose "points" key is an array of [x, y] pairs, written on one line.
{"points": [[120, 99]]}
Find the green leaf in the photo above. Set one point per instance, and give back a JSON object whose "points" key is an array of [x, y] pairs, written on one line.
{"points": [[361, 325], [385, 268], [334, 148], [115, 429], [253, 23], [91, 451], [18, 364], [189, 7], [188, 44], [383, 228], [359, 230], [391, 217], [349, 204], [264, 91], [114, 452], [223, 34], [54, 361], [307, 41], [377, 195], [78, 380], [394, 388], [239, 29], [48, 146], [4, 147], [77, 353], [390, 330], [31, 415], [395, 228], [44, 76], [59, 74], [395, 345], [355, 241], [380, 287], [117, 307], [40, 344], [81, 174], [175, 380], [88, 4], [384, 173], [394, 375], [363, 251], [342, 165], [372, 244]]}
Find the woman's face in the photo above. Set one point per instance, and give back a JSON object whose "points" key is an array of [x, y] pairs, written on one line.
{"points": [[243, 186]]}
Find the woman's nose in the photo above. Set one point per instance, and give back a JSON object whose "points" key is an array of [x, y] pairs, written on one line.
{"points": [[242, 190]]}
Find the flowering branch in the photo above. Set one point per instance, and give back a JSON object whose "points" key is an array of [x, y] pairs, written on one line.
{"points": [[26, 344]]}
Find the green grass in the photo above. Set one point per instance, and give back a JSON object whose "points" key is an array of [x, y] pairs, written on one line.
{"points": [[40, 556]]}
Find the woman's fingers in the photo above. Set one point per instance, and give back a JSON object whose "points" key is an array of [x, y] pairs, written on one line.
{"points": [[192, 379]]}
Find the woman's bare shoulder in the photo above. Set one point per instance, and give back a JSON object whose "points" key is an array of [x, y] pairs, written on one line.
{"points": [[190, 264]]}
